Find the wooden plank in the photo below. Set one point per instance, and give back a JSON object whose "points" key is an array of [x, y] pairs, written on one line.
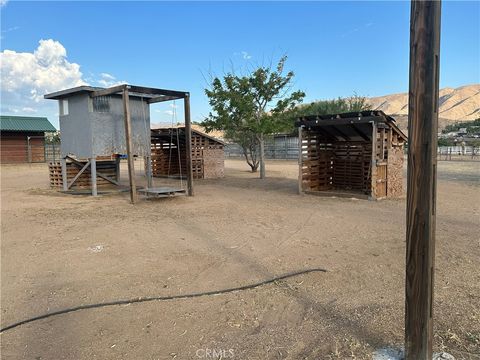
{"points": [[162, 98], [188, 144], [300, 162], [156, 91], [78, 174], [373, 163], [109, 91], [421, 180]]}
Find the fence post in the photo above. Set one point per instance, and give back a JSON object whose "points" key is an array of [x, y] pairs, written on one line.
{"points": [[29, 150]]}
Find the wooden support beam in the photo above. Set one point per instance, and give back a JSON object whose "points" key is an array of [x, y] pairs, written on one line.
{"points": [[300, 161], [109, 91], [117, 169], [128, 140], [341, 133], [155, 91], [324, 132], [421, 178], [99, 174], [148, 170], [309, 122], [63, 162], [188, 144], [382, 142], [373, 163], [93, 175], [360, 132], [162, 98], [84, 167]]}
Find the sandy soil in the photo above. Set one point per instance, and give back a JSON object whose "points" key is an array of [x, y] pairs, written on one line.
{"points": [[59, 251]]}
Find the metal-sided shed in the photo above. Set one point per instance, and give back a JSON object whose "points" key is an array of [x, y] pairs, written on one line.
{"points": [[169, 154], [98, 123], [351, 154]]}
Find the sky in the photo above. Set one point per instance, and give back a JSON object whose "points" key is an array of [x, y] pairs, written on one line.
{"points": [[334, 48]]}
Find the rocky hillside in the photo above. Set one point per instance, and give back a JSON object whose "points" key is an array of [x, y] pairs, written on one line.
{"points": [[459, 104]]}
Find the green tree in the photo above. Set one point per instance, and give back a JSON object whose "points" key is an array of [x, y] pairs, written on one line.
{"points": [[445, 142], [52, 137], [250, 107], [340, 105]]}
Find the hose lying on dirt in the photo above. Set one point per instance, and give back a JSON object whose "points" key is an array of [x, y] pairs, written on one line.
{"points": [[160, 298]]}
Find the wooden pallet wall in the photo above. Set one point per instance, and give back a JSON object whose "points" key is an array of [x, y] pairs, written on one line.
{"points": [[316, 162], [207, 158], [351, 166], [106, 167]]}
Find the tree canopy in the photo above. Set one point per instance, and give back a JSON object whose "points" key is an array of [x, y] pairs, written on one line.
{"points": [[249, 107]]}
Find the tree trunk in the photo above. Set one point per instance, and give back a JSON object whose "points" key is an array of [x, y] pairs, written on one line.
{"points": [[261, 142], [252, 159]]}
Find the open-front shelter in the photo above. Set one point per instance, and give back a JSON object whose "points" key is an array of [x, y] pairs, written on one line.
{"points": [[351, 154], [169, 153], [105, 122]]}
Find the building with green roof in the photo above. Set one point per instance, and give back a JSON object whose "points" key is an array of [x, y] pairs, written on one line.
{"points": [[23, 138]]}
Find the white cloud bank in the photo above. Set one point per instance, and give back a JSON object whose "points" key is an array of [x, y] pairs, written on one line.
{"points": [[26, 77]]}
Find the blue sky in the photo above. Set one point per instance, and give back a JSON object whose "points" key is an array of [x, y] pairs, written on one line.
{"points": [[335, 48]]}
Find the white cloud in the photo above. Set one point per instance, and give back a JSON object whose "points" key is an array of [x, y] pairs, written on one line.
{"points": [[29, 110], [246, 55], [26, 77], [108, 80], [169, 112], [3, 2]]}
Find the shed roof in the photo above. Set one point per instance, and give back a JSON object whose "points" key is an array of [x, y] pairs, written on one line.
{"points": [[25, 123], [152, 95], [350, 125], [163, 132]]}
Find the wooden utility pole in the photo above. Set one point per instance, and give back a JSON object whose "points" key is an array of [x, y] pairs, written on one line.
{"points": [[422, 173], [188, 144], [128, 140]]}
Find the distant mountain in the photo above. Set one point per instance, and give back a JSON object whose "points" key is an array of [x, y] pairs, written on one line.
{"points": [[459, 104]]}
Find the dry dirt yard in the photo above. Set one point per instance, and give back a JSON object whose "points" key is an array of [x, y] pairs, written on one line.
{"points": [[59, 251]]}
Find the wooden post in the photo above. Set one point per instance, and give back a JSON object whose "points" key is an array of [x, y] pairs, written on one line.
{"points": [[63, 161], [422, 172], [93, 175], [117, 168], [188, 144], [29, 150], [148, 171], [128, 139], [373, 163], [300, 160]]}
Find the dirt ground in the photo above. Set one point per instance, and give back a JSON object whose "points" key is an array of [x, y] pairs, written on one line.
{"points": [[59, 251]]}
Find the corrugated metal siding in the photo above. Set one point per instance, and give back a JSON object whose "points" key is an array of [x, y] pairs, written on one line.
{"points": [[25, 123]]}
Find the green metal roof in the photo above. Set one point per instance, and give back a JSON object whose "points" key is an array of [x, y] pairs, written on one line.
{"points": [[25, 123]]}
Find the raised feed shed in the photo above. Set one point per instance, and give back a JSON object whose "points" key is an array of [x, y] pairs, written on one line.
{"points": [[103, 123], [168, 145], [351, 154]]}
